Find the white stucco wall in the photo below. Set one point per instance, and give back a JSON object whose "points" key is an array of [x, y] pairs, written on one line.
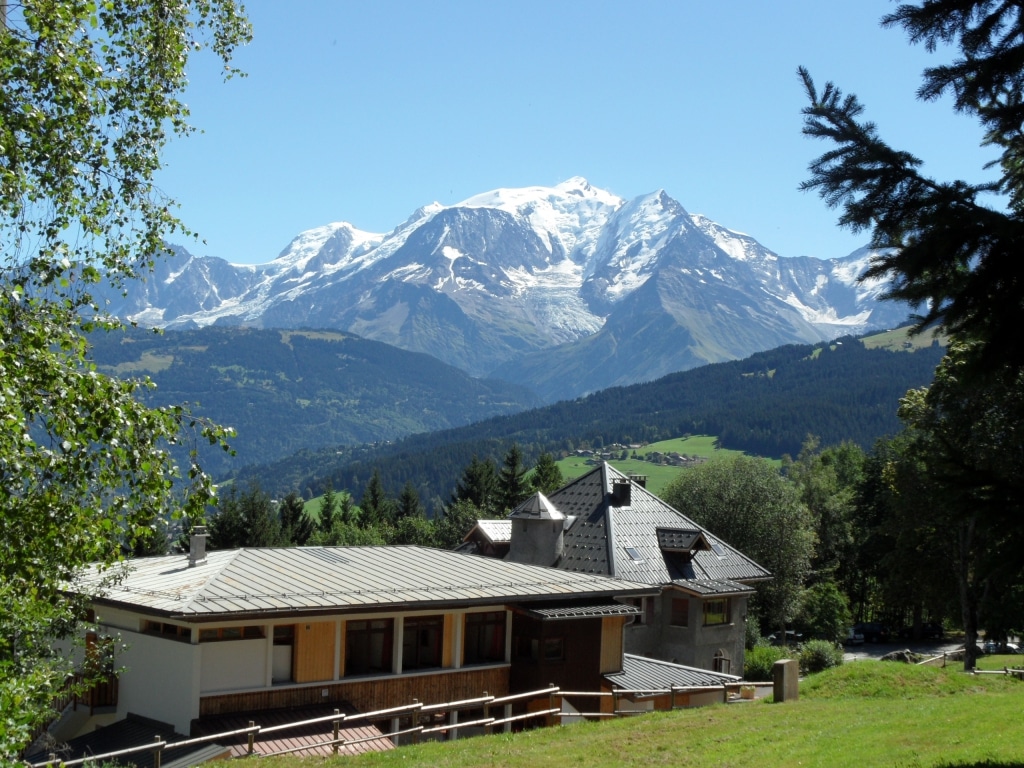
{"points": [[160, 679], [233, 665]]}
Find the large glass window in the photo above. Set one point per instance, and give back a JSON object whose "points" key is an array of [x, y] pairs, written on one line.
{"points": [[422, 641], [716, 611], [368, 645], [484, 638]]}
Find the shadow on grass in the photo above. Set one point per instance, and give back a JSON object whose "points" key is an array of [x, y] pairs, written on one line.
{"points": [[983, 764]]}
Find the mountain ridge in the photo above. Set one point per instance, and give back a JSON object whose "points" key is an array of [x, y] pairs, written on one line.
{"points": [[519, 282]]}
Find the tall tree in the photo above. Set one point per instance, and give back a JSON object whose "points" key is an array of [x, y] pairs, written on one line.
{"points": [[89, 95], [512, 485], [479, 486], [546, 477], [409, 505], [944, 249], [245, 519], [328, 509], [296, 525], [969, 439], [747, 503], [376, 505]]}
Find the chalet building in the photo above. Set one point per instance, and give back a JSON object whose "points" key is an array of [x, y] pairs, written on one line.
{"points": [[606, 523], [250, 630]]}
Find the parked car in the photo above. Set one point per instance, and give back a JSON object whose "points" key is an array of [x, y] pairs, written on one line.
{"points": [[790, 639], [853, 637], [872, 631]]}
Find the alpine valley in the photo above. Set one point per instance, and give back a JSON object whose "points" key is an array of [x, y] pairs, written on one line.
{"points": [[565, 290]]}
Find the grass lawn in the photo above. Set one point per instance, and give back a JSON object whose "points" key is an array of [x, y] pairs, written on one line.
{"points": [[658, 475], [863, 714]]}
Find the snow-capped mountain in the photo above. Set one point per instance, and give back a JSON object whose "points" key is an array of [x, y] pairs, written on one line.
{"points": [[568, 289]]}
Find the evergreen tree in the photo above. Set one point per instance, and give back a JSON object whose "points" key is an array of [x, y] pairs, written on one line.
{"points": [[296, 525], [512, 485], [246, 519], [328, 509], [943, 249], [376, 506], [546, 477], [478, 486], [409, 505], [348, 513]]}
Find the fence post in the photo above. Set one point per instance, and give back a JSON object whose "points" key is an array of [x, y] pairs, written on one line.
{"points": [[252, 737], [551, 705], [672, 698], [337, 731], [157, 752], [615, 700], [415, 719], [487, 713]]}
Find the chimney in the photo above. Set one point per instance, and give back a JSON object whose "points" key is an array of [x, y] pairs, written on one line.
{"points": [[197, 546], [622, 493], [640, 480]]}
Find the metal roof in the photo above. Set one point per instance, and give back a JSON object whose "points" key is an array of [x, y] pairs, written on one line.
{"points": [[608, 608], [537, 507], [640, 673], [330, 579], [704, 587], [495, 531], [623, 541]]}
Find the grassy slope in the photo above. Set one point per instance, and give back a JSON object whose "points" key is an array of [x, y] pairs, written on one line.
{"points": [[862, 714]]}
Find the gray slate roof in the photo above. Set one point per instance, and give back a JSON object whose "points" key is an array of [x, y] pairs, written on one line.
{"points": [[243, 582], [640, 673], [628, 541]]}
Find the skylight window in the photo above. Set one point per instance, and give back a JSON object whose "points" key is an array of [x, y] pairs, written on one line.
{"points": [[718, 549], [634, 554]]}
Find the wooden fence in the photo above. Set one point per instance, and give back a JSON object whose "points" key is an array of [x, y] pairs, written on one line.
{"points": [[412, 722]]}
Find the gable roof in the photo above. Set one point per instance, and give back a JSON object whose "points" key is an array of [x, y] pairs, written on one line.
{"points": [[495, 531], [643, 539], [243, 582]]}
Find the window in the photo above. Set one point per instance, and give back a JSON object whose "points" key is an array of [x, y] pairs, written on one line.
{"points": [[368, 646], [422, 638], [171, 631], [554, 649], [716, 611], [284, 634], [721, 662], [634, 554], [484, 638], [213, 634], [680, 611]]}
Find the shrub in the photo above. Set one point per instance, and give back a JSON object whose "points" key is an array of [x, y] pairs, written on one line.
{"points": [[759, 661], [753, 633], [818, 655]]}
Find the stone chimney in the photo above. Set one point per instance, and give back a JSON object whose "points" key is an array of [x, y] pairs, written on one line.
{"points": [[197, 546]]}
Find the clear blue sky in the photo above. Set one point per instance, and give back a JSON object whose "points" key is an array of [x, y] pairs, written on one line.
{"points": [[364, 111]]}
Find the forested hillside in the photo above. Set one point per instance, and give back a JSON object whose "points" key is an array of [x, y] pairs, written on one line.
{"points": [[766, 405], [283, 391]]}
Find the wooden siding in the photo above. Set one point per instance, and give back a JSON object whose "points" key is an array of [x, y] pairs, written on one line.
{"points": [[314, 652], [368, 695], [611, 644], [448, 641]]}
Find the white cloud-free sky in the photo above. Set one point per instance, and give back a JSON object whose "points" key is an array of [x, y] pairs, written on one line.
{"points": [[364, 111]]}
